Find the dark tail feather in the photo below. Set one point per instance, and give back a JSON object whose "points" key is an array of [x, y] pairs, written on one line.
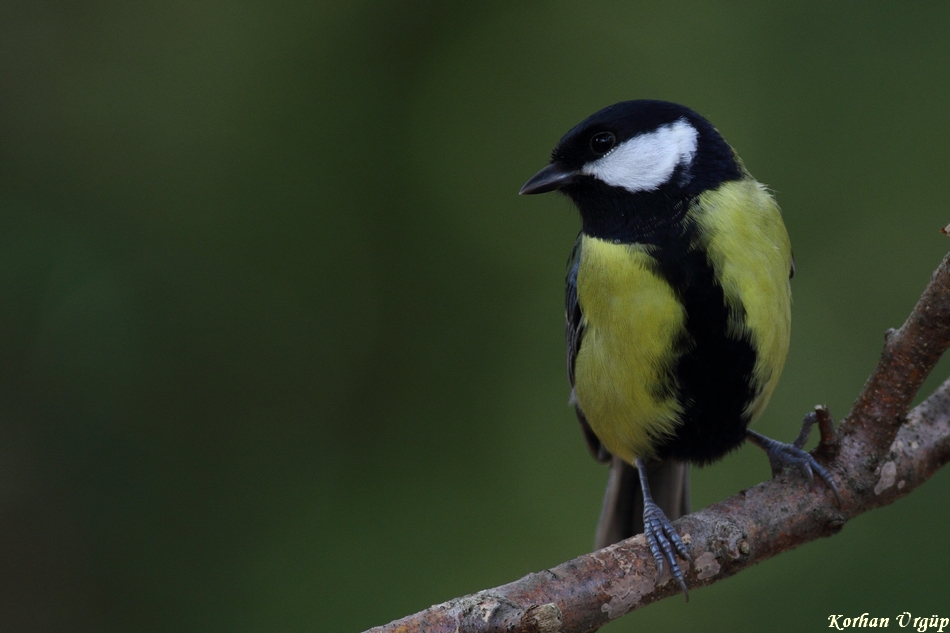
{"points": [[622, 514]]}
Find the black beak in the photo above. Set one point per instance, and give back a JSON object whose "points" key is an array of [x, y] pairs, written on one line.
{"points": [[548, 179]]}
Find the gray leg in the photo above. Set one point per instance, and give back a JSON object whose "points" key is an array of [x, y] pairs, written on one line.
{"points": [[664, 540]]}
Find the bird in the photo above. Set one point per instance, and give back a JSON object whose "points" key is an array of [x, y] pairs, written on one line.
{"points": [[678, 310]]}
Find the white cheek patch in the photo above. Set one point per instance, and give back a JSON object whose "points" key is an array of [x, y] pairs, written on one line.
{"points": [[645, 162]]}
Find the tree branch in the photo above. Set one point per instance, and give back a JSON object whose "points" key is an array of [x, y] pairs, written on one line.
{"points": [[879, 454]]}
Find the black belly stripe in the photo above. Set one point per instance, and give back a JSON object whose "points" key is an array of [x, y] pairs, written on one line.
{"points": [[713, 376]]}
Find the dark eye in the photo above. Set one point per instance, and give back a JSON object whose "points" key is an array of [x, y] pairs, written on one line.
{"points": [[603, 142]]}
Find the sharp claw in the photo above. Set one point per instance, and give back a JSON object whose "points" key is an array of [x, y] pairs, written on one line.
{"points": [[781, 453], [826, 477], [665, 543], [834, 489]]}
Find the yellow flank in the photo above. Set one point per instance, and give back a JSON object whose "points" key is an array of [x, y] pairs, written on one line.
{"points": [[741, 227], [632, 318]]}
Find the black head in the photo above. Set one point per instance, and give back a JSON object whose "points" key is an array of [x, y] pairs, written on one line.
{"points": [[635, 165]]}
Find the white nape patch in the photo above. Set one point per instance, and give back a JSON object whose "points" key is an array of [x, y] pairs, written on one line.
{"points": [[645, 162]]}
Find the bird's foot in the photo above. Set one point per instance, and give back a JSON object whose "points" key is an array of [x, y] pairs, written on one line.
{"points": [[782, 455], [665, 543]]}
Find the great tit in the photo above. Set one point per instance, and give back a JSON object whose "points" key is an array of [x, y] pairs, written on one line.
{"points": [[678, 308]]}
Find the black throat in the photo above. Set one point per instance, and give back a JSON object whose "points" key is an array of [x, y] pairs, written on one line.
{"points": [[617, 215]]}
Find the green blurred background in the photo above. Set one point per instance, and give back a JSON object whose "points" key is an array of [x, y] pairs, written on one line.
{"points": [[281, 348]]}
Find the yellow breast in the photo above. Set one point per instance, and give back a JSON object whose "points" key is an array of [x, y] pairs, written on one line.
{"points": [[631, 319]]}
